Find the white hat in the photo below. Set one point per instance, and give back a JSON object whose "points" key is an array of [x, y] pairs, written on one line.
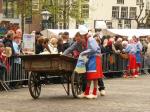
{"points": [[130, 38], [83, 30], [124, 43], [100, 25]]}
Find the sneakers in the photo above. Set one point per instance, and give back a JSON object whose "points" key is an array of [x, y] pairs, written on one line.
{"points": [[82, 95], [102, 93]]}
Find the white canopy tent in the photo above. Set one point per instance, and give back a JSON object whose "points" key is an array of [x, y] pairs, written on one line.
{"points": [[111, 32], [49, 32], [128, 32]]}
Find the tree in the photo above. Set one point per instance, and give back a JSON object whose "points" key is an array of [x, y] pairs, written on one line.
{"points": [[24, 10], [139, 19], [65, 9], [76, 11]]}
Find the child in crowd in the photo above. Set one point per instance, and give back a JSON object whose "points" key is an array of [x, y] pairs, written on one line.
{"points": [[53, 45]]}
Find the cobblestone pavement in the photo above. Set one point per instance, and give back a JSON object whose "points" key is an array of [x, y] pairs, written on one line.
{"points": [[123, 95]]}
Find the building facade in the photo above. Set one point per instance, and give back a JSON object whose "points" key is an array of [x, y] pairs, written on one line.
{"points": [[9, 19], [118, 14], [8, 12]]}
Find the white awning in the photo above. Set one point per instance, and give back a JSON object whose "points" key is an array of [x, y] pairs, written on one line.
{"points": [[130, 32], [49, 32]]}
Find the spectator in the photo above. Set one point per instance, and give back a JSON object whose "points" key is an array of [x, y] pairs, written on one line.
{"points": [[104, 48], [65, 38], [39, 46], [144, 44], [131, 50], [60, 45], [16, 63], [147, 57], [37, 35], [53, 45], [45, 46], [139, 48], [2, 61], [8, 42], [118, 45]]}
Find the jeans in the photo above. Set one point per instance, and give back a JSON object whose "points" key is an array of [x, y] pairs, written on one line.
{"points": [[2, 70], [147, 64], [101, 85]]}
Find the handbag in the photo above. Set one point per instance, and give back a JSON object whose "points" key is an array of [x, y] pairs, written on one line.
{"points": [[124, 56], [81, 65]]}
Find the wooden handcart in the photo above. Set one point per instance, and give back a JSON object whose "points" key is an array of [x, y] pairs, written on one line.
{"points": [[40, 67]]}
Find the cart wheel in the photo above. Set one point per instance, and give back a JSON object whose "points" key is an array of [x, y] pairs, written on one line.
{"points": [[34, 85], [76, 84]]}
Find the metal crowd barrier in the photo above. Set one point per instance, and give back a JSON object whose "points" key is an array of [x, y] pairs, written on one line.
{"points": [[17, 73], [118, 64], [115, 64]]}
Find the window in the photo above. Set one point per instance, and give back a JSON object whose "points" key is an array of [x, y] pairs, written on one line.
{"points": [[115, 12], [85, 11], [138, 2], [109, 25], [10, 8], [85, 0], [60, 25], [132, 13], [124, 12], [127, 23], [119, 24], [35, 4], [60, 15], [120, 1]]}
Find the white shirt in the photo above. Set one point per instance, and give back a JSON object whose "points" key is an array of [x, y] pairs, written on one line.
{"points": [[53, 49]]}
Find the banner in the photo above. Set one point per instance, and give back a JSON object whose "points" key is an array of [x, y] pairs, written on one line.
{"points": [[28, 46]]}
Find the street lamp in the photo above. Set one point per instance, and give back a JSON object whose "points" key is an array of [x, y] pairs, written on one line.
{"points": [[45, 17]]}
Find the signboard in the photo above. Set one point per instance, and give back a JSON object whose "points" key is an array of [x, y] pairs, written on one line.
{"points": [[99, 24], [28, 46]]}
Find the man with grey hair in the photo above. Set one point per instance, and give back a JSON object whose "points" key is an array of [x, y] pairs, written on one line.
{"points": [[147, 58]]}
